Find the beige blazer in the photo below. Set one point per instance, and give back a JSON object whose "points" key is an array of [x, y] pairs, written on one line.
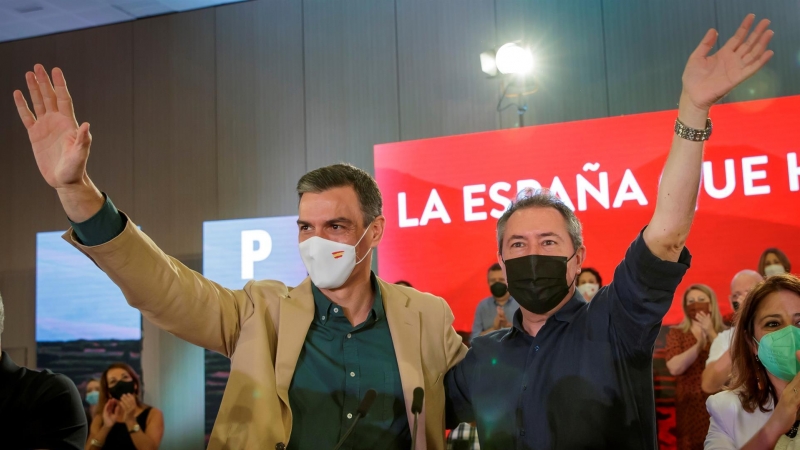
{"points": [[262, 327]]}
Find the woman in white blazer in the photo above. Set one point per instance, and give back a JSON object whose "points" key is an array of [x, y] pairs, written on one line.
{"points": [[762, 407]]}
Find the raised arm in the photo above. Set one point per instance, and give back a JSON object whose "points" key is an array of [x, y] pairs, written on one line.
{"points": [[706, 79], [716, 374], [169, 294]]}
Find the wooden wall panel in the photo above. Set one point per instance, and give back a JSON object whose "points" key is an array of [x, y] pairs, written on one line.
{"points": [[260, 118], [18, 288], [175, 129], [647, 44], [442, 89], [8, 120], [350, 80]]}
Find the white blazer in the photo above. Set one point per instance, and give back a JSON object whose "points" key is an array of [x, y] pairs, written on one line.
{"points": [[731, 426]]}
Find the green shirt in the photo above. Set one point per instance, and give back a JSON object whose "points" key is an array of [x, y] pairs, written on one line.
{"points": [[336, 367]]}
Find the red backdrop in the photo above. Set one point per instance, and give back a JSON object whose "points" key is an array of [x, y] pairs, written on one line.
{"points": [[443, 239]]}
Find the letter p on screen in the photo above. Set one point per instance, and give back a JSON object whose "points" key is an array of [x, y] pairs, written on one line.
{"points": [[256, 246]]}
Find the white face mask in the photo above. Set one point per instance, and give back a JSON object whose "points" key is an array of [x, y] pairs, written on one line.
{"points": [[588, 290], [774, 269], [329, 263]]}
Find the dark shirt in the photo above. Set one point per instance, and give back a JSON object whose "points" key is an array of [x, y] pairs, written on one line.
{"points": [[39, 410], [585, 381], [336, 367], [119, 437]]}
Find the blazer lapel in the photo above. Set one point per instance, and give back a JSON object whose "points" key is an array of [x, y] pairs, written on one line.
{"points": [[296, 314], [404, 325]]}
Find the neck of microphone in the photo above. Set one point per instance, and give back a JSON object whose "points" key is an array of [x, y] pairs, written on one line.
{"points": [[416, 409], [363, 407]]}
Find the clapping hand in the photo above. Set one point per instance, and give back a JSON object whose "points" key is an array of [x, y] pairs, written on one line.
{"points": [[699, 333], [704, 319]]}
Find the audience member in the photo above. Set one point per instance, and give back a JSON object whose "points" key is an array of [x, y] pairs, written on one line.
{"points": [[719, 365], [773, 262], [38, 410], [686, 353], [589, 282], [494, 312], [122, 420], [92, 397], [760, 409]]}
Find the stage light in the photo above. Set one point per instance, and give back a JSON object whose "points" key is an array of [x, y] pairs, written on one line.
{"points": [[513, 59], [515, 63], [488, 63]]}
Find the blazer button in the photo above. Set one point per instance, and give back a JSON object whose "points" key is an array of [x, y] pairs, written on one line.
{"points": [[280, 446]]}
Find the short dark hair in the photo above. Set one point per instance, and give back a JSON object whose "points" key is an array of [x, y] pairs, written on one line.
{"points": [[403, 283], [593, 272], [493, 268], [341, 175], [541, 198]]}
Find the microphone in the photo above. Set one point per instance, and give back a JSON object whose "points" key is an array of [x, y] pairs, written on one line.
{"points": [[363, 407], [416, 409]]}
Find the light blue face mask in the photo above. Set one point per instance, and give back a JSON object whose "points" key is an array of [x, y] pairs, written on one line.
{"points": [[777, 351], [93, 397]]}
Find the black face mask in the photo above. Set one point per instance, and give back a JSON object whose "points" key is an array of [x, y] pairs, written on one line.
{"points": [[538, 282], [122, 388], [498, 289]]}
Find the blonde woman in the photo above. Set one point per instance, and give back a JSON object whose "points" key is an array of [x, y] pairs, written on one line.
{"points": [[686, 352]]}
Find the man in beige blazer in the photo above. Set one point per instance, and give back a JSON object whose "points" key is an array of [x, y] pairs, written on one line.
{"points": [[301, 358]]}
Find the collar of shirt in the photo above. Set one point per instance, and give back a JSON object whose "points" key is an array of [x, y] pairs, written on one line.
{"points": [[324, 306], [565, 314]]}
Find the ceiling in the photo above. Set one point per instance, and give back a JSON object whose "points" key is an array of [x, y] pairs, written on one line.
{"points": [[20, 19]]}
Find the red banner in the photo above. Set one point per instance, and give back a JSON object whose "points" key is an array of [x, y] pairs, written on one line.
{"points": [[442, 196]]}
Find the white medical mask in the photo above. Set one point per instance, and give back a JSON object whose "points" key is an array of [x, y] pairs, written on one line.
{"points": [[588, 290], [774, 269], [329, 263]]}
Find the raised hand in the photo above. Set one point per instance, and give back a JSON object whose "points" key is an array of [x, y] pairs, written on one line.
{"points": [[699, 333], [706, 79], [128, 406], [60, 146], [705, 321]]}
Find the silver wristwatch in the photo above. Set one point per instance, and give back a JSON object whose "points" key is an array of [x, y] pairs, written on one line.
{"points": [[136, 428], [692, 134]]}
